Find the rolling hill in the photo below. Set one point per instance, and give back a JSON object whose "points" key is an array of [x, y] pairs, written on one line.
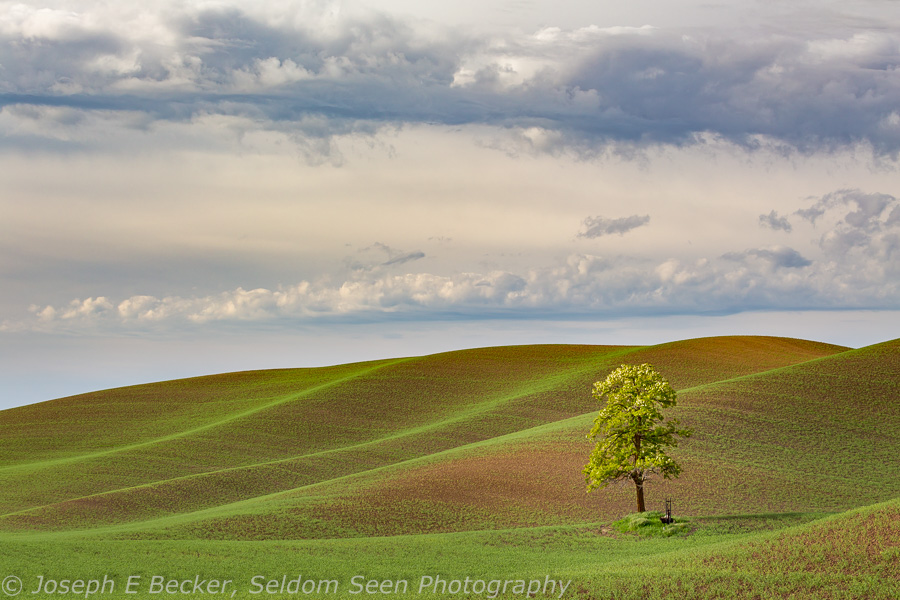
{"points": [[459, 443]]}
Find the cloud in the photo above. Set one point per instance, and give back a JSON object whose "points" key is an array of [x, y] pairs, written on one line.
{"points": [[894, 218], [855, 263], [774, 221], [373, 257], [595, 227], [778, 257], [812, 213], [869, 207], [404, 258], [860, 235], [313, 72], [581, 285], [864, 225]]}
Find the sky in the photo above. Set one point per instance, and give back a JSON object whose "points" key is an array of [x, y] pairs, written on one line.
{"points": [[192, 187]]}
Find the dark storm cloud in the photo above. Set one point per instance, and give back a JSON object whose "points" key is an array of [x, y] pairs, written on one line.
{"points": [[804, 95], [591, 87], [595, 227]]}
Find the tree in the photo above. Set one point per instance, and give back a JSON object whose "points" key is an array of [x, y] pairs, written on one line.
{"points": [[633, 437]]}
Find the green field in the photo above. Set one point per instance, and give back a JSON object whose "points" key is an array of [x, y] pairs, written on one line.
{"points": [[415, 476]]}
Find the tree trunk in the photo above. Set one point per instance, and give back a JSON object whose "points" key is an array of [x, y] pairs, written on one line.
{"points": [[638, 476], [639, 486]]}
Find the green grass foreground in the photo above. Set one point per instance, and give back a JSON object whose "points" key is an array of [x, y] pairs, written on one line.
{"points": [[462, 465], [848, 555]]}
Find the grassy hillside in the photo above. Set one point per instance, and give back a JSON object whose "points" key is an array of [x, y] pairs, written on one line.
{"points": [[800, 556], [797, 440], [482, 438], [469, 462], [855, 554]]}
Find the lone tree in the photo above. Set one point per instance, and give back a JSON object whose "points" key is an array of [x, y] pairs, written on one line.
{"points": [[633, 437]]}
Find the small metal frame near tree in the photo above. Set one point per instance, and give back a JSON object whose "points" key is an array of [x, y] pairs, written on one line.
{"points": [[667, 518]]}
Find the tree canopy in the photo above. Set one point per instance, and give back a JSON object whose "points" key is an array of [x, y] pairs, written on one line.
{"points": [[632, 435]]}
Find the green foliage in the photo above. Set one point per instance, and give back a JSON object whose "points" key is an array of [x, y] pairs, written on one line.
{"points": [[633, 437]]}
